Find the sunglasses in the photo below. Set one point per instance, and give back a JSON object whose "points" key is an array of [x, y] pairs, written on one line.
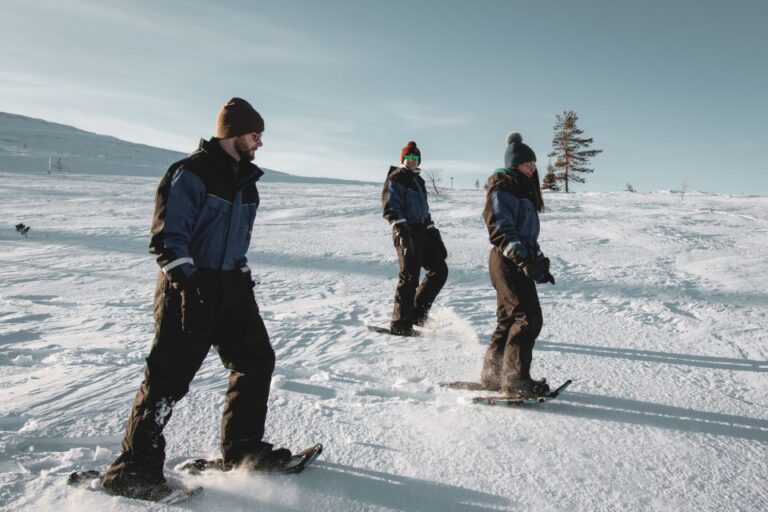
{"points": [[412, 158]]}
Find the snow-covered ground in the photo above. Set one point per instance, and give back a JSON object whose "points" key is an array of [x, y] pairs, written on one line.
{"points": [[660, 315]]}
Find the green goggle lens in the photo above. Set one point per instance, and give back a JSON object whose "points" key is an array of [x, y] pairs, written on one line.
{"points": [[412, 158]]}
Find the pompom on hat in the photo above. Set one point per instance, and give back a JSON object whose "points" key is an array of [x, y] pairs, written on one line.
{"points": [[517, 152], [410, 149]]}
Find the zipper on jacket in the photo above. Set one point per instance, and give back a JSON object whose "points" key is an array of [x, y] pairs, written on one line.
{"points": [[229, 220], [238, 189]]}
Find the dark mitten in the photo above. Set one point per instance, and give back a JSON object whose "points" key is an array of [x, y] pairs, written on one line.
{"points": [[538, 271], [403, 238], [196, 313], [533, 270], [437, 241], [177, 277], [547, 276], [520, 261]]}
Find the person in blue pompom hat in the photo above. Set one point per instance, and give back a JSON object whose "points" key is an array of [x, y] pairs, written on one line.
{"points": [[516, 264]]}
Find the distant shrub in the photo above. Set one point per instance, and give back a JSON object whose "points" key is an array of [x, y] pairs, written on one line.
{"points": [[22, 229]]}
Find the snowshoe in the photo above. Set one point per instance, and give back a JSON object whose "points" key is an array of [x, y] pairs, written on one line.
{"points": [[397, 332], [469, 386], [522, 399], [280, 461], [160, 492]]}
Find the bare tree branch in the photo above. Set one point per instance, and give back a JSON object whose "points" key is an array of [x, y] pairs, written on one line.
{"points": [[434, 180]]}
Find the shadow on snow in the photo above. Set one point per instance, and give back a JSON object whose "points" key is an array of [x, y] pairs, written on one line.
{"points": [[608, 408], [387, 490], [717, 363]]}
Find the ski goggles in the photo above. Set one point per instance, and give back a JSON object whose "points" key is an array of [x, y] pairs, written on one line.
{"points": [[412, 158]]}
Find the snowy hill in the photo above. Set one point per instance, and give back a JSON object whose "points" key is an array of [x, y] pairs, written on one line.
{"points": [[660, 316], [26, 144]]}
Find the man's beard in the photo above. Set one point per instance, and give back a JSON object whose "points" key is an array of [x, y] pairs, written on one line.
{"points": [[245, 154]]}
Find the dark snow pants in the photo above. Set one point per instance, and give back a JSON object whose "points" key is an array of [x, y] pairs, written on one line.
{"points": [[413, 300], [241, 339], [519, 322]]}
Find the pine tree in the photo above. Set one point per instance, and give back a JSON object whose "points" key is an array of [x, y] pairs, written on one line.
{"points": [[570, 149], [550, 179]]}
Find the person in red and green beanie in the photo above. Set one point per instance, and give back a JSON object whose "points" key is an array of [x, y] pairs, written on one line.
{"points": [[516, 264], [417, 241]]}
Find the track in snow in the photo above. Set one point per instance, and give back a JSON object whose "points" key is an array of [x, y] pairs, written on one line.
{"points": [[659, 315]]}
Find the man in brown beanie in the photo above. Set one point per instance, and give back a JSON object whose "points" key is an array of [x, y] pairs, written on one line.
{"points": [[204, 213]]}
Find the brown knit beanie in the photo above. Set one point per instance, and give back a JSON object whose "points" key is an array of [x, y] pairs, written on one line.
{"points": [[238, 117], [410, 149]]}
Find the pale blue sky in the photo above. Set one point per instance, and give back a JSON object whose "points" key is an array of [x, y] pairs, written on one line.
{"points": [[671, 91]]}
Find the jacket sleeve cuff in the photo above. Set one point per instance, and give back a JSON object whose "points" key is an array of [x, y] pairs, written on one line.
{"points": [[185, 265]]}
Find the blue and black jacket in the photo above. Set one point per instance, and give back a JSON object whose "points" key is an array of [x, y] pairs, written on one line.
{"points": [[404, 198], [511, 215], [204, 212]]}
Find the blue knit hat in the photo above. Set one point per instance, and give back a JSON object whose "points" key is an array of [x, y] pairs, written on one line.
{"points": [[517, 152]]}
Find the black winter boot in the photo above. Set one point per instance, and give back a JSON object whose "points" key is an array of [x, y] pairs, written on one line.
{"points": [[269, 460], [401, 328], [525, 388], [138, 485], [420, 317]]}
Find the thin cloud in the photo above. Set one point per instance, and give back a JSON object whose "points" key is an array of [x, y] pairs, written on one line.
{"points": [[328, 165], [30, 83], [259, 40], [421, 116], [464, 167]]}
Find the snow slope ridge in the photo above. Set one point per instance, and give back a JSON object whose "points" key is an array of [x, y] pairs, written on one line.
{"points": [[659, 315], [30, 146]]}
